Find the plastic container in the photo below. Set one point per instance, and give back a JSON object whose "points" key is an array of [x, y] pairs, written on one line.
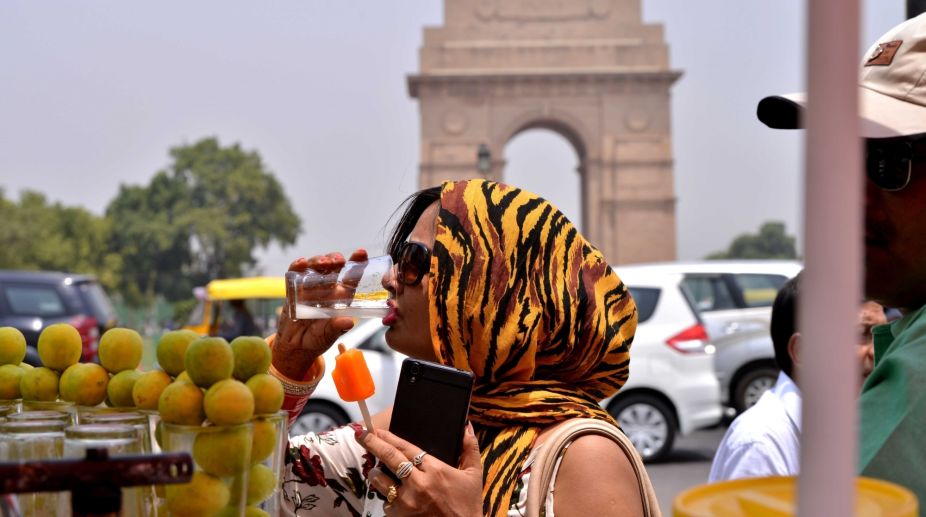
{"points": [[776, 497], [35, 440], [222, 461]]}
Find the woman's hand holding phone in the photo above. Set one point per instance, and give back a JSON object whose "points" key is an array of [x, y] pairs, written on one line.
{"points": [[433, 488]]}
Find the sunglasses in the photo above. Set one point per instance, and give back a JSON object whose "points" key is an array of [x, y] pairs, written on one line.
{"points": [[889, 162], [412, 261]]}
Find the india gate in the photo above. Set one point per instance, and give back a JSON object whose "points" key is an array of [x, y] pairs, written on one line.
{"points": [[589, 70]]}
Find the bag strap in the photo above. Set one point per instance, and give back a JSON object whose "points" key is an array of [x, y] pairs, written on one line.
{"points": [[562, 435]]}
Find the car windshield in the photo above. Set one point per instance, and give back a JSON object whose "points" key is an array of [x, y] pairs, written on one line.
{"points": [[97, 301]]}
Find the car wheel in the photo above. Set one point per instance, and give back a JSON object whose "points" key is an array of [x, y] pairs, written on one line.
{"points": [[317, 417], [648, 422], [751, 385]]}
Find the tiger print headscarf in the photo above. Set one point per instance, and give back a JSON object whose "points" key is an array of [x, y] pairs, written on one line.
{"points": [[521, 299]]}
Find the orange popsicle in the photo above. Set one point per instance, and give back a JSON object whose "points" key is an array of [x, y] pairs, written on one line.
{"points": [[353, 380]]}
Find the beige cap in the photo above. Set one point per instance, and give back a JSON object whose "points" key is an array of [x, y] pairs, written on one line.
{"points": [[892, 87]]}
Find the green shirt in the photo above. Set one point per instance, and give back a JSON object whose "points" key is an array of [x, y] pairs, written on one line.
{"points": [[892, 434]]}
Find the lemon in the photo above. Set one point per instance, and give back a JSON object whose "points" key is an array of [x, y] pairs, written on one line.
{"points": [[203, 496], [60, 346], [10, 378], [223, 453], [171, 349], [182, 403], [268, 393], [209, 360], [229, 402], [39, 384], [264, 441], [120, 349], [84, 384], [121, 386], [12, 345], [148, 388], [261, 483], [252, 356]]}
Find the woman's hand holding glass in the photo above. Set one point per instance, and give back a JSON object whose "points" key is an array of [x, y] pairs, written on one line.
{"points": [[433, 488], [299, 342]]}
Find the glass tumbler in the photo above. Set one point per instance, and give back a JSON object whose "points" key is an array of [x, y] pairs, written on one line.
{"points": [[118, 440], [267, 455], [24, 441], [221, 457]]}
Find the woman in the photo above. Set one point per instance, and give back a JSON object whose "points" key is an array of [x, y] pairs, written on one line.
{"points": [[494, 280]]}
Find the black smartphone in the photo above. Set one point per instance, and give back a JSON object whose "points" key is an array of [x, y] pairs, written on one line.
{"points": [[431, 405]]}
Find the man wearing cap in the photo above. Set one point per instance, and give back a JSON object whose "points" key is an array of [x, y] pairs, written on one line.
{"points": [[893, 111]]}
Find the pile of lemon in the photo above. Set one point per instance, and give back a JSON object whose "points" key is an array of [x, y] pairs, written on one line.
{"points": [[219, 385], [202, 381]]}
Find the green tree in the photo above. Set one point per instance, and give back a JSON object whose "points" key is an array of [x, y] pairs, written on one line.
{"points": [[770, 243], [200, 219], [37, 234]]}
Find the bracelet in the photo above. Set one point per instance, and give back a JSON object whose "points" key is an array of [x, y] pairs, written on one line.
{"points": [[293, 387]]}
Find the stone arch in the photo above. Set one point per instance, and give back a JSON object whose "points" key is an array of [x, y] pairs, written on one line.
{"points": [[591, 72]]}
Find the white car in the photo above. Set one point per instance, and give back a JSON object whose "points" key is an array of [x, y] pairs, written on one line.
{"points": [[672, 387], [731, 295], [734, 300]]}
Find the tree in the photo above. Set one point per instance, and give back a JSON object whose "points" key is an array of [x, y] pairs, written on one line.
{"points": [[770, 243], [200, 219], [37, 234]]}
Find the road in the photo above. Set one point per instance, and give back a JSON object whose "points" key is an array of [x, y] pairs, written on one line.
{"points": [[688, 465]]}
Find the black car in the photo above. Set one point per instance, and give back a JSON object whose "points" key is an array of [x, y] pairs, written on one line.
{"points": [[32, 300]]}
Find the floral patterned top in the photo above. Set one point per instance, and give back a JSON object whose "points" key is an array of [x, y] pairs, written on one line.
{"points": [[327, 474]]}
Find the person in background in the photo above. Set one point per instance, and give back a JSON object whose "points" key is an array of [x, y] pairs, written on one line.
{"points": [[892, 108], [765, 439], [239, 323]]}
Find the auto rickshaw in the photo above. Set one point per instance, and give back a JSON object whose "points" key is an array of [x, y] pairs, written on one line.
{"points": [[263, 297]]}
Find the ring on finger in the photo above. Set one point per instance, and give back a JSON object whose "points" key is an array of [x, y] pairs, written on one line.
{"points": [[391, 494], [416, 461], [404, 470]]}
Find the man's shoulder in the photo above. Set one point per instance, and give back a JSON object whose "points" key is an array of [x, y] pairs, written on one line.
{"points": [[765, 420]]}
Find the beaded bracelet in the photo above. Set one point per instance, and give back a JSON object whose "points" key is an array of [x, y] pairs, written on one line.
{"points": [[293, 387]]}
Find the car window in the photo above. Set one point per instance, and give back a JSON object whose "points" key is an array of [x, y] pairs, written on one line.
{"points": [[708, 293], [97, 301], [759, 290], [646, 299], [34, 300]]}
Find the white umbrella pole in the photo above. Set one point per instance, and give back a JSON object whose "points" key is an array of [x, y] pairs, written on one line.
{"points": [[831, 290]]}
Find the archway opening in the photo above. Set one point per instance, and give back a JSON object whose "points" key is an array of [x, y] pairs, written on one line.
{"points": [[544, 162]]}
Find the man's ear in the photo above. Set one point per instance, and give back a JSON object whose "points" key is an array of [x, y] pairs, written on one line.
{"points": [[794, 350]]}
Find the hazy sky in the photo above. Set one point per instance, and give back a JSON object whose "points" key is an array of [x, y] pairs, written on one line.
{"points": [[93, 93]]}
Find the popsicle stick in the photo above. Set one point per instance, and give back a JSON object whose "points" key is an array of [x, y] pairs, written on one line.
{"points": [[366, 415]]}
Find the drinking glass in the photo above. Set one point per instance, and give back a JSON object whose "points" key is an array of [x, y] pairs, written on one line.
{"points": [[25, 441], [355, 291], [118, 439]]}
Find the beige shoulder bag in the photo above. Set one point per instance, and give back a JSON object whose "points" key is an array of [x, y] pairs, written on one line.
{"points": [[542, 469]]}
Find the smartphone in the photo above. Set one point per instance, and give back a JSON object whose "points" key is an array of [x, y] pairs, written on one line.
{"points": [[431, 405]]}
